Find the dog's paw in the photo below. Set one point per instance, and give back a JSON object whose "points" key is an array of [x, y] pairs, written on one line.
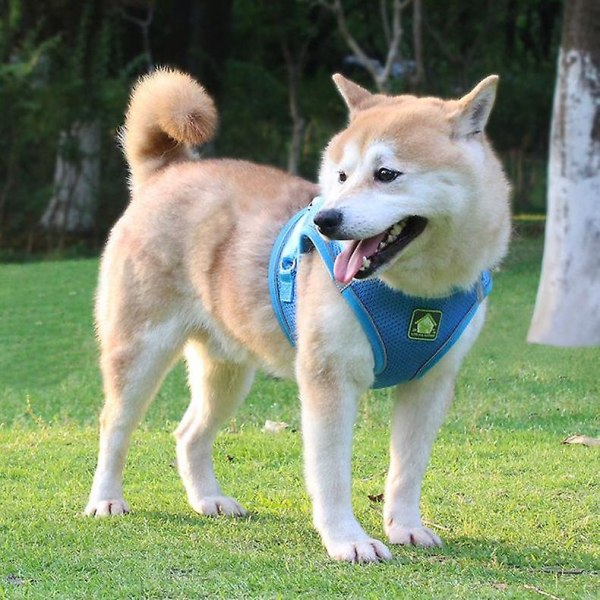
{"points": [[106, 508], [214, 506], [413, 536], [359, 551]]}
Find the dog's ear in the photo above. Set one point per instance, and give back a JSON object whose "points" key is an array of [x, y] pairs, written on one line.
{"points": [[355, 96], [475, 108]]}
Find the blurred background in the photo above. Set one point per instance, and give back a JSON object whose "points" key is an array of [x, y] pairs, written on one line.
{"points": [[66, 68]]}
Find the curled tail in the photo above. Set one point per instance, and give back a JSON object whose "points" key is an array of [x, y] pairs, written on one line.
{"points": [[168, 114]]}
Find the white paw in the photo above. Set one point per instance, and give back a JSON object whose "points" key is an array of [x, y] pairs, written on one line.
{"points": [[106, 508], [359, 551], [412, 536], [218, 505]]}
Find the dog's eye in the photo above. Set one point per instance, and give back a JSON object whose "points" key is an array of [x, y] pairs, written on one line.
{"points": [[342, 177], [386, 175]]}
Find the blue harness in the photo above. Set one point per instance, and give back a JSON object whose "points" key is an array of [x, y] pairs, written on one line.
{"points": [[408, 335]]}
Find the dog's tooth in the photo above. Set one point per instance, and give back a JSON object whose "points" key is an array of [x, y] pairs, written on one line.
{"points": [[397, 229], [366, 263]]}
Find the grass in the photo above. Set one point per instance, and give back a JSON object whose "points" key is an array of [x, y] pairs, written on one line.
{"points": [[519, 512]]}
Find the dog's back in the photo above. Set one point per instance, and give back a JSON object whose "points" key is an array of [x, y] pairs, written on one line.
{"points": [[197, 234]]}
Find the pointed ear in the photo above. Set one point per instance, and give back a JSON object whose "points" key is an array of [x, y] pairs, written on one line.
{"points": [[353, 94], [475, 108]]}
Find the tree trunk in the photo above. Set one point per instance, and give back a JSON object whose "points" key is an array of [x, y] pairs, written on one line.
{"points": [[567, 310], [76, 178], [298, 124], [418, 77], [295, 65]]}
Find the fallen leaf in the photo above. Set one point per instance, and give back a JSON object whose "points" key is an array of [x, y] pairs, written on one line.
{"points": [[583, 440], [500, 586], [274, 426], [375, 497], [15, 580], [180, 573]]}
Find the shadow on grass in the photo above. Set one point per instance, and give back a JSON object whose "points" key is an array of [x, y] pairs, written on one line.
{"points": [[488, 556], [492, 553]]}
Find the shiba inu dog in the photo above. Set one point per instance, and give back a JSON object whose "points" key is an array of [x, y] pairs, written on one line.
{"points": [[418, 199]]}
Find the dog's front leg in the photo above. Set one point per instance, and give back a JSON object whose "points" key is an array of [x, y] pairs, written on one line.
{"points": [[334, 366], [328, 412], [418, 414]]}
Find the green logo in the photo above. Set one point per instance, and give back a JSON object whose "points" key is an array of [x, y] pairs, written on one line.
{"points": [[424, 324]]}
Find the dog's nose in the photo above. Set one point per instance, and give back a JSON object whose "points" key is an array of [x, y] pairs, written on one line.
{"points": [[328, 220]]}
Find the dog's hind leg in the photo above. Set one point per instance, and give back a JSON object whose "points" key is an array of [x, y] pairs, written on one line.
{"points": [[133, 367], [217, 387]]}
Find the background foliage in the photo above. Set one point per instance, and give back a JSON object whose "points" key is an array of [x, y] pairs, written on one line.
{"points": [[63, 62]]}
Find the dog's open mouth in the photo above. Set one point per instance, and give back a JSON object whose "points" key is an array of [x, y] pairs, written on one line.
{"points": [[361, 258]]}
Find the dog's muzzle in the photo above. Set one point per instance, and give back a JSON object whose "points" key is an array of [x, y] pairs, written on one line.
{"points": [[328, 221]]}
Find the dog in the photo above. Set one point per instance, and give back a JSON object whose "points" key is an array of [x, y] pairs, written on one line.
{"points": [[185, 271]]}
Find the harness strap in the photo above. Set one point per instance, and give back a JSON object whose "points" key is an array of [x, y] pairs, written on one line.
{"points": [[300, 235]]}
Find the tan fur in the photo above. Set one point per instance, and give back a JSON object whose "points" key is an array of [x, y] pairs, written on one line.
{"points": [[168, 113], [185, 270], [432, 136]]}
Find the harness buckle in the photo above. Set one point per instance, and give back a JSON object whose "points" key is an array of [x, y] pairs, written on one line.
{"points": [[287, 275]]}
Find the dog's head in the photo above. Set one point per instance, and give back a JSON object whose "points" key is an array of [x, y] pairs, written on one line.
{"points": [[414, 187]]}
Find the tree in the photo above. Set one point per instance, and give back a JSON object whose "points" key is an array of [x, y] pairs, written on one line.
{"points": [[298, 27], [81, 69], [382, 72], [195, 36], [24, 123], [567, 310], [72, 206]]}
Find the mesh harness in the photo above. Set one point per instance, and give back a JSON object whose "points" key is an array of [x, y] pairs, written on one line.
{"points": [[408, 335]]}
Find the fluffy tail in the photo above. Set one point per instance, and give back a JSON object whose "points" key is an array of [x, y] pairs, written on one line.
{"points": [[168, 114]]}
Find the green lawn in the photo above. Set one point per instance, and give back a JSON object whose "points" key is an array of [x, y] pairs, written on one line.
{"points": [[519, 511]]}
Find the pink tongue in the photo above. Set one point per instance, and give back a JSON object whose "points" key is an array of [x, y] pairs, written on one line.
{"points": [[350, 260]]}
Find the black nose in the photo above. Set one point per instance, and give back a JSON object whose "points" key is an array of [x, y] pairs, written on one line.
{"points": [[328, 220]]}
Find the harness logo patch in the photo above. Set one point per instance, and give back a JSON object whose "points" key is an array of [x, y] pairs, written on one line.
{"points": [[424, 324]]}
